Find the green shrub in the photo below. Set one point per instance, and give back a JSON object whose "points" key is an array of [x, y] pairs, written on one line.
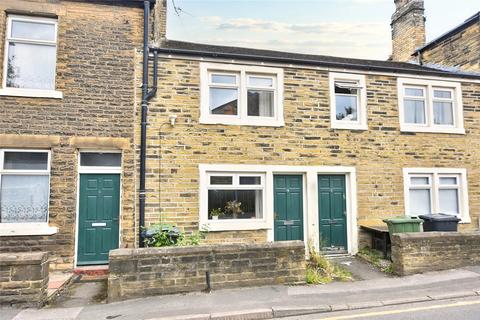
{"points": [[164, 235]]}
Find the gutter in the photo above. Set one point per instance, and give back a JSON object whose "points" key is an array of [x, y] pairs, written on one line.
{"points": [[146, 96], [358, 66]]}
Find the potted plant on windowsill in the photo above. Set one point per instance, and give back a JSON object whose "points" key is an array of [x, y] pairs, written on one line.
{"points": [[215, 213], [234, 208]]}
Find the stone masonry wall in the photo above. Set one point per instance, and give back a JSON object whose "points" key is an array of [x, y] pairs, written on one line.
{"points": [[96, 49], [150, 271], [23, 279], [379, 154], [431, 251], [408, 29], [460, 50]]}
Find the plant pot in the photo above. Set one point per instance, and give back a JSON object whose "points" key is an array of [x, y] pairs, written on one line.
{"points": [[214, 217]]}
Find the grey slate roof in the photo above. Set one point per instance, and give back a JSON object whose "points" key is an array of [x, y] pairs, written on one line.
{"points": [[472, 20], [216, 51]]}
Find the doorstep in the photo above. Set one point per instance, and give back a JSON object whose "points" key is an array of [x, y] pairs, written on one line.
{"points": [[92, 273]]}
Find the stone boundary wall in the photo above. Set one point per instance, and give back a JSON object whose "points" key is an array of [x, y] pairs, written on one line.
{"points": [[152, 271], [23, 278], [431, 251]]}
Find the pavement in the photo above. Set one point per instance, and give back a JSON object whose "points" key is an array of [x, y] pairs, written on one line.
{"points": [[375, 291]]}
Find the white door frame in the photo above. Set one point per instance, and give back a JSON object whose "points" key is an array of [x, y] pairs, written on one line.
{"points": [[311, 223], [96, 170]]}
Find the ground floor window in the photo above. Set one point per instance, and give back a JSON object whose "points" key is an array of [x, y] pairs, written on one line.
{"points": [[235, 195], [436, 191], [24, 186]]}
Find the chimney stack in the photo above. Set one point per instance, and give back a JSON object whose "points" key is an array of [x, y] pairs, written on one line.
{"points": [[160, 21], [408, 29]]}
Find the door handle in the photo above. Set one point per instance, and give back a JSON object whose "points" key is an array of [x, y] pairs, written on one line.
{"points": [[99, 224]]}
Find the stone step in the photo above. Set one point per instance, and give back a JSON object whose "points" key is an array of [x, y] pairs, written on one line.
{"points": [[91, 273]]}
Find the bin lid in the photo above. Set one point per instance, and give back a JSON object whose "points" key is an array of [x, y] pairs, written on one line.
{"points": [[399, 220], [440, 217]]}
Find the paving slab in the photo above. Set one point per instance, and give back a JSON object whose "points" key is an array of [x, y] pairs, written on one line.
{"points": [[49, 314]]}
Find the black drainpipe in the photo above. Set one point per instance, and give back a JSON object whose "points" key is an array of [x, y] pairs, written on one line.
{"points": [[146, 95]]}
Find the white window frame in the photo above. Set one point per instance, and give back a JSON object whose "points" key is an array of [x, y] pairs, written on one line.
{"points": [[99, 169], [26, 92], [27, 228], [235, 224], [429, 86], [243, 72], [434, 175], [362, 112]]}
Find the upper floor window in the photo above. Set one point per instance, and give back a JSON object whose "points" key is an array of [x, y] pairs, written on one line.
{"points": [[430, 106], [30, 57], [241, 95], [436, 190], [24, 186], [348, 101]]}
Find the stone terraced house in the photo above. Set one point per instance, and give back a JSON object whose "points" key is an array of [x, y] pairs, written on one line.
{"points": [[252, 145], [67, 166], [271, 146]]}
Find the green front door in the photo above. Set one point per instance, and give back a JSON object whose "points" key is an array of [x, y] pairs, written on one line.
{"points": [[332, 213], [98, 217], [288, 207]]}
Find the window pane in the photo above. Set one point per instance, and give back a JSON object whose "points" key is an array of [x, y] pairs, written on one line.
{"points": [[219, 180], [414, 111], [260, 103], [443, 112], [31, 66], [94, 159], [448, 201], [420, 181], [344, 88], [236, 204], [419, 201], [23, 199], [224, 79], [442, 94], [260, 82], [346, 108], [223, 101], [250, 180], [448, 181], [26, 160], [33, 30], [414, 92]]}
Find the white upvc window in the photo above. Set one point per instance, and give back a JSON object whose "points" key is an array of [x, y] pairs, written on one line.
{"points": [[29, 67], [348, 101], [24, 192], [241, 95], [436, 190], [430, 106], [234, 200]]}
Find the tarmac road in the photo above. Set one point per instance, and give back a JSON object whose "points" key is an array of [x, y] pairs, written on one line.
{"points": [[455, 309]]}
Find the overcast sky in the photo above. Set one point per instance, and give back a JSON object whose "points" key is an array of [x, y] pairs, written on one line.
{"points": [[350, 28]]}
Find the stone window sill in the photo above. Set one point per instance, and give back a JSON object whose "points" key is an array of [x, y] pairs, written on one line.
{"points": [[32, 93], [26, 229], [235, 225]]}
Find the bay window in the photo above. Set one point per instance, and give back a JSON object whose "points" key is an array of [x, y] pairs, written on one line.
{"points": [[436, 190], [430, 106], [24, 186], [241, 95]]}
